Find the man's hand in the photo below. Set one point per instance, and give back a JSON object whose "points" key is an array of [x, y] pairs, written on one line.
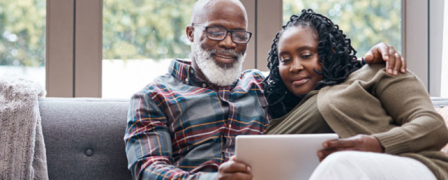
{"points": [[359, 142], [233, 169], [383, 52]]}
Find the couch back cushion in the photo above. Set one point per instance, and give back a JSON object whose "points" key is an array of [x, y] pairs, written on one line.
{"points": [[84, 138]]}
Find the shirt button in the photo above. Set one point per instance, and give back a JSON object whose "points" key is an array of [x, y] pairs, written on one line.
{"points": [[230, 126], [186, 79], [191, 71], [204, 85]]}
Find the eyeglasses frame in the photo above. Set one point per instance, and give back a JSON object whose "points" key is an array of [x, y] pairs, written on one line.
{"points": [[227, 32]]}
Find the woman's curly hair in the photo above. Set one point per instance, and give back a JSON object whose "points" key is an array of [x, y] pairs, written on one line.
{"points": [[335, 53]]}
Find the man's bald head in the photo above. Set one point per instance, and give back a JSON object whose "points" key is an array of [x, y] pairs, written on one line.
{"points": [[204, 8]]}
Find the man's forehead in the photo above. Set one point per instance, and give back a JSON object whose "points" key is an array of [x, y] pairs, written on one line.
{"points": [[205, 11]]}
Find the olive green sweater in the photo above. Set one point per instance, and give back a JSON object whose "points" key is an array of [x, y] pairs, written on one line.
{"points": [[396, 110]]}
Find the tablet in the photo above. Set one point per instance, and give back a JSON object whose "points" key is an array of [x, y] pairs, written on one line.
{"points": [[281, 156]]}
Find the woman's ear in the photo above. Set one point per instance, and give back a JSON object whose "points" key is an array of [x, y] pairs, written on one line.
{"points": [[190, 33]]}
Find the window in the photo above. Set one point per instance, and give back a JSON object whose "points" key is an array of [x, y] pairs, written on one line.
{"points": [[140, 38], [22, 39], [366, 23], [75, 48]]}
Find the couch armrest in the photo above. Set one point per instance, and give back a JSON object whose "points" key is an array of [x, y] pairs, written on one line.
{"points": [[441, 105]]}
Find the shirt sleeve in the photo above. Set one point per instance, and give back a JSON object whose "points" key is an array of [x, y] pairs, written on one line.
{"points": [[420, 127], [148, 143]]}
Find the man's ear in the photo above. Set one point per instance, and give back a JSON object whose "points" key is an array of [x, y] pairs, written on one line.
{"points": [[190, 33]]}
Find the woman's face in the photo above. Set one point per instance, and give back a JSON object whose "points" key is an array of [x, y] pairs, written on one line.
{"points": [[297, 49]]}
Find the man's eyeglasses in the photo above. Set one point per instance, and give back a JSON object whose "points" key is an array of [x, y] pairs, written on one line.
{"points": [[219, 33]]}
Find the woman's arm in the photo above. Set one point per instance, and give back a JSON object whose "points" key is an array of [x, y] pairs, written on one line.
{"points": [[406, 100], [418, 126]]}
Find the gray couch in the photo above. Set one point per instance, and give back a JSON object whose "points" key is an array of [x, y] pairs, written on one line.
{"points": [[84, 137]]}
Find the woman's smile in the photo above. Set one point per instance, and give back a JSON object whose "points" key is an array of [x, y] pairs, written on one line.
{"points": [[300, 81]]}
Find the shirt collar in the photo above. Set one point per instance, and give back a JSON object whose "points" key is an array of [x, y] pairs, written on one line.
{"points": [[182, 70]]}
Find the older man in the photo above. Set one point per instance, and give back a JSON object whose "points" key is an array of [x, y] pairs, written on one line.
{"points": [[183, 124]]}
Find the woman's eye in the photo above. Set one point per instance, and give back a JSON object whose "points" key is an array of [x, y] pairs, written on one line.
{"points": [[284, 60], [306, 56]]}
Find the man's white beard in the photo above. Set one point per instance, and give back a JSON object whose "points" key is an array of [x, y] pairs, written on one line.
{"points": [[218, 75]]}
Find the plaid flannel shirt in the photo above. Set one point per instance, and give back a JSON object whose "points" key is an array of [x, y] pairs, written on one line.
{"points": [[180, 128]]}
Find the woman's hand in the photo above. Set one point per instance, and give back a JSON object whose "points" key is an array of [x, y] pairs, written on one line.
{"points": [[233, 169], [383, 52], [359, 142]]}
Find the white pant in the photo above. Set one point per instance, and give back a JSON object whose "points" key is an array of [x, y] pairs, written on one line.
{"points": [[355, 165]]}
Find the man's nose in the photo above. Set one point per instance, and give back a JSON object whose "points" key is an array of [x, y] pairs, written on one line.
{"points": [[227, 42]]}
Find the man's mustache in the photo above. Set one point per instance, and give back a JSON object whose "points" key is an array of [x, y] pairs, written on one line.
{"points": [[225, 51]]}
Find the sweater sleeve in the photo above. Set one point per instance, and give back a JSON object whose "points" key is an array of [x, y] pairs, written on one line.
{"points": [[419, 126]]}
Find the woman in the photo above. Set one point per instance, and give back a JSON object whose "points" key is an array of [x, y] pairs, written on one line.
{"points": [[389, 122]]}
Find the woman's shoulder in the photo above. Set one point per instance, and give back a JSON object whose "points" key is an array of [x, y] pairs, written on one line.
{"points": [[372, 78], [371, 72], [368, 70]]}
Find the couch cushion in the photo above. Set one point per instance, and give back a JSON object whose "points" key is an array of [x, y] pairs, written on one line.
{"points": [[444, 112], [84, 138]]}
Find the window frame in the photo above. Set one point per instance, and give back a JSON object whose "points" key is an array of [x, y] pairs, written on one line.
{"points": [[436, 15], [59, 48]]}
